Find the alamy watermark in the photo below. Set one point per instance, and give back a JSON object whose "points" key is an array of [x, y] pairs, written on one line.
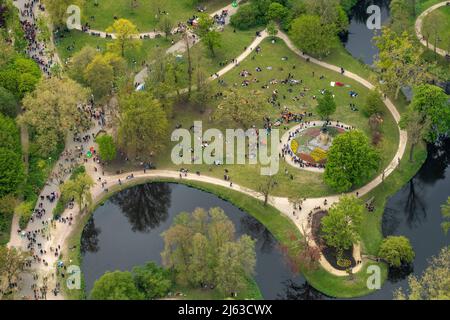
{"points": [[235, 146]]}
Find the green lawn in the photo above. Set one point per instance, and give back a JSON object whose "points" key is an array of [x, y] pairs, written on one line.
{"points": [[305, 183], [440, 18], [144, 14]]}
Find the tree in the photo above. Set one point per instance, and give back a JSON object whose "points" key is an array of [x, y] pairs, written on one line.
{"points": [[126, 33], [79, 62], [152, 280], [311, 36], [78, 189], [9, 134], [8, 103], [277, 12], [11, 171], [240, 109], [433, 284], [374, 104], [202, 249], [143, 125], [326, 105], [212, 40], [402, 11], [432, 104], [445, 209], [52, 110], [396, 251], [272, 29], [58, 10], [210, 37], [266, 187], [399, 61], [351, 159], [247, 17], [116, 285], [412, 121], [99, 76], [12, 263], [107, 147], [330, 12], [341, 226]]}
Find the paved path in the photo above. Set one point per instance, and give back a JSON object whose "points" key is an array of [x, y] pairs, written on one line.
{"points": [[153, 34], [419, 27], [60, 232]]}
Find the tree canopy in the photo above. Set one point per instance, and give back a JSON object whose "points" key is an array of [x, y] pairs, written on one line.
{"points": [[54, 109], [201, 247], [143, 126], [396, 251], [433, 284]]}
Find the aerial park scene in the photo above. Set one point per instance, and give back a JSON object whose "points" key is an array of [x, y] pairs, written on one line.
{"points": [[215, 150]]}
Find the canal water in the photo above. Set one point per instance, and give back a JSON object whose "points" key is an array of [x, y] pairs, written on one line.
{"points": [[126, 230]]}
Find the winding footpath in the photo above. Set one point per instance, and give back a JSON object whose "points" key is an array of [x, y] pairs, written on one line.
{"points": [[419, 27], [59, 233]]}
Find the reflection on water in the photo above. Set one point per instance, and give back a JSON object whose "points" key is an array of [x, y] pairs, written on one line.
{"points": [[358, 41], [126, 231]]}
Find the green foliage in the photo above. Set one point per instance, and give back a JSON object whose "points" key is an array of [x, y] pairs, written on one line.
{"points": [[115, 285], [51, 112], [24, 211], [277, 12], [126, 33], [20, 76], [78, 189], [399, 61], [11, 171], [433, 284], [152, 280], [239, 109], [247, 17], [312, 36], [326, 106], [107, 147], [396, 250], [445, 209], [374, 104], [201, 248], [8, 103], [143, 126], [351, 160], [9, 134], [432, 104], [341, 226]]}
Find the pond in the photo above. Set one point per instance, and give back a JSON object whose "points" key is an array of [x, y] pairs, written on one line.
{"points": [[359, 40], [126, 232], [415, 212]]}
